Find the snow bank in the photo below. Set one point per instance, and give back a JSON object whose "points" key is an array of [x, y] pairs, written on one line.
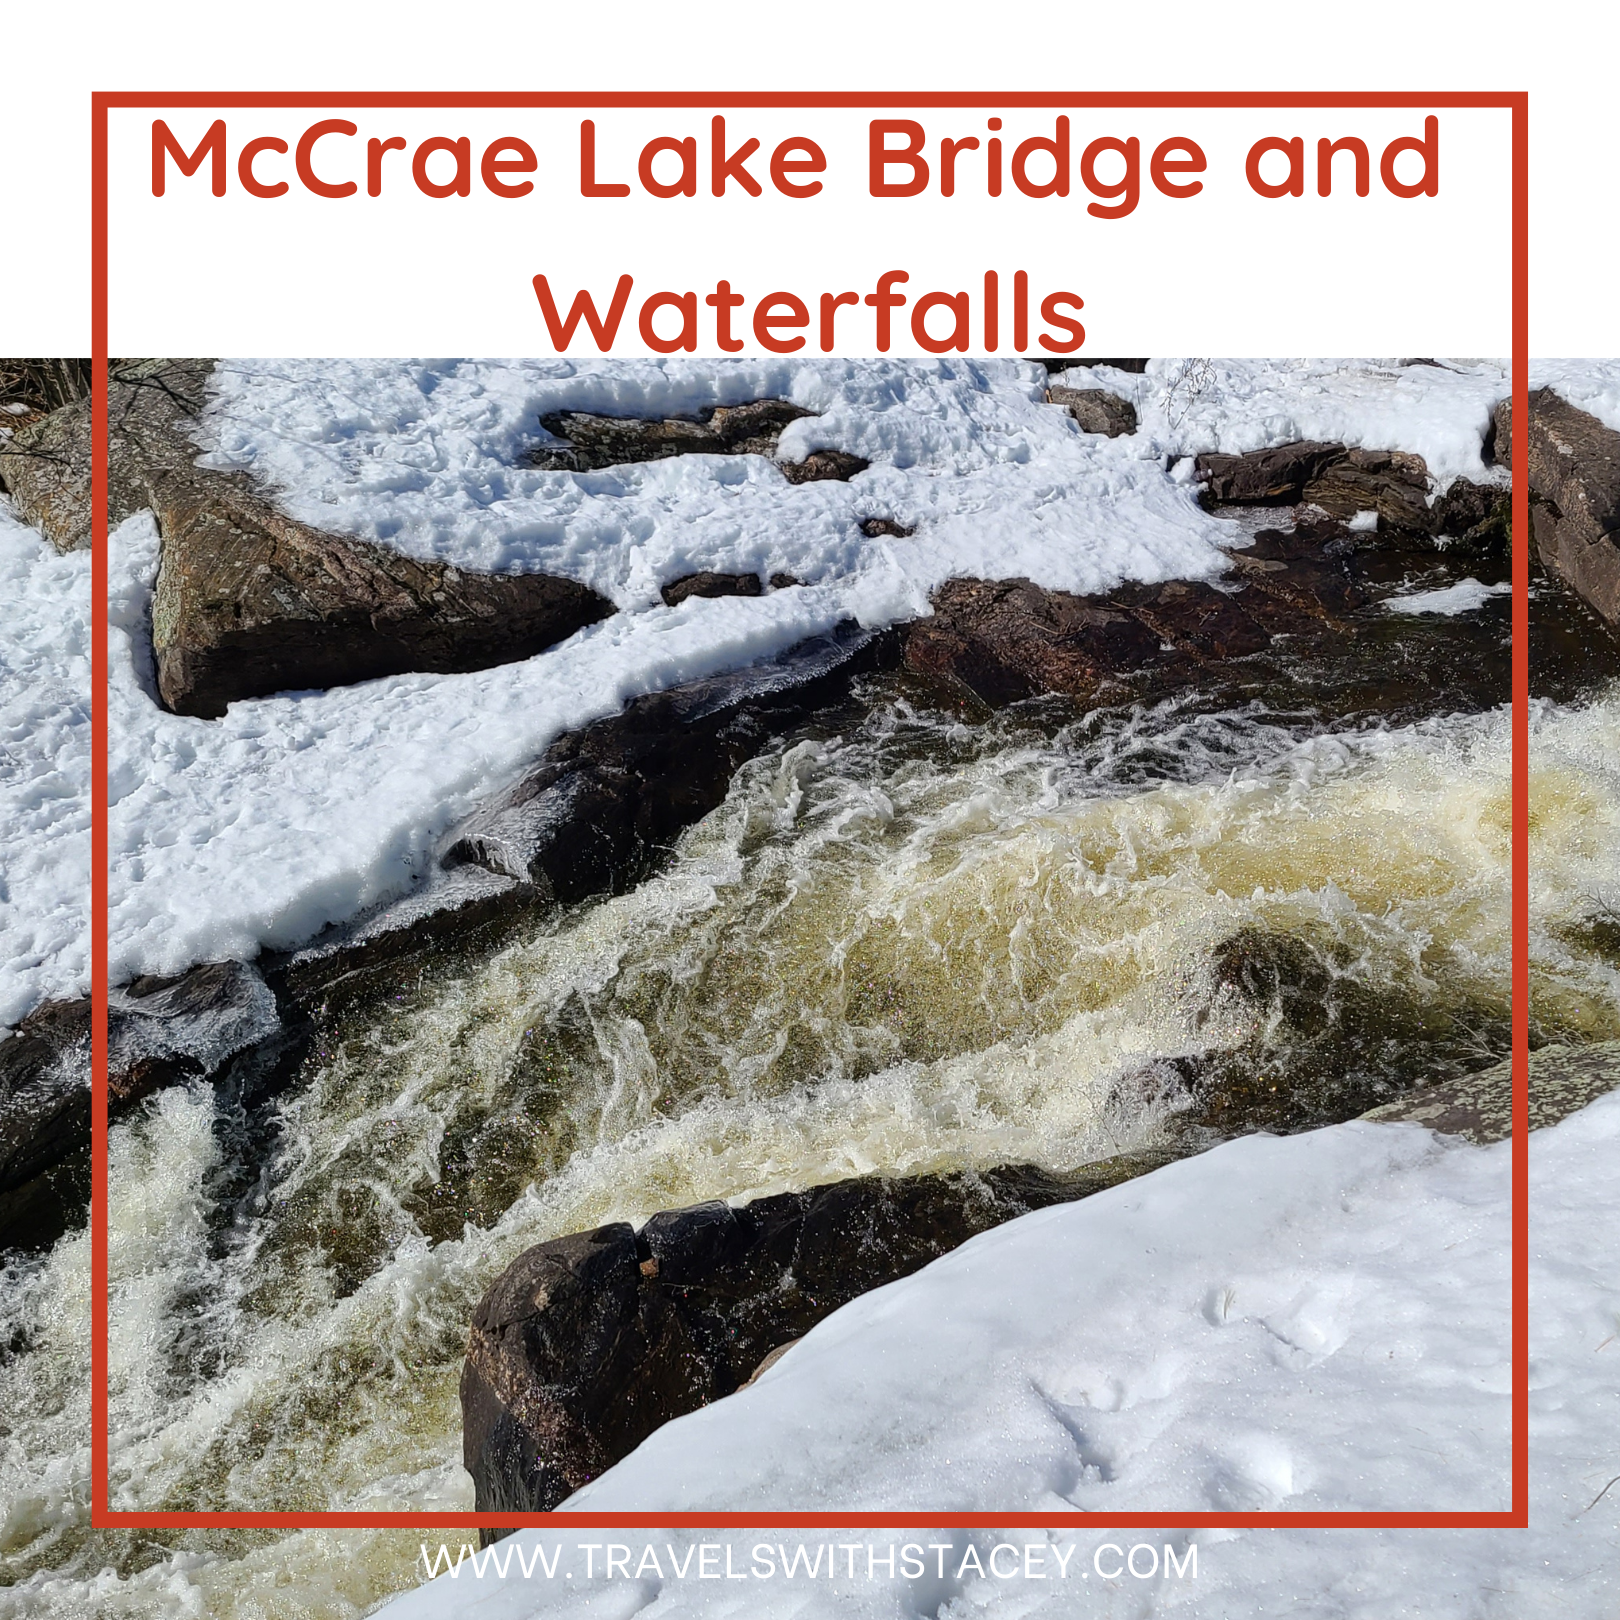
{"points": [[44, 771], [1318, 1322]]}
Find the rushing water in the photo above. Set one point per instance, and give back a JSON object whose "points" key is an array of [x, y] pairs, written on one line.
{"points": [[913, 945]]}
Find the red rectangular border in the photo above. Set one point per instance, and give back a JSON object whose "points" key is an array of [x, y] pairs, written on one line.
{"points": [[1518, 1516]]}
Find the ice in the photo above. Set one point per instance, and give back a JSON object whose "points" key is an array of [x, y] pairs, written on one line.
{"points": [[1466, 596], [1311, 1323], [44, 771]]}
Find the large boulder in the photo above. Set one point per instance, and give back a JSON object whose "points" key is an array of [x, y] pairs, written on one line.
{"points": [[46, 468], [1009, 639], [1392, 483], [1271, 477], [250, 602], [1575, 496], [1096, 410], [585, 1344]]}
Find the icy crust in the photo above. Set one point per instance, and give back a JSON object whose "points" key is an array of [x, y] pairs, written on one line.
{"points": [[1314, 1322], [44, 771]]}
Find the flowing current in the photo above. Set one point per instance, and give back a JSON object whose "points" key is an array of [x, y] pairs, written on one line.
{"points": [[914, 946]]}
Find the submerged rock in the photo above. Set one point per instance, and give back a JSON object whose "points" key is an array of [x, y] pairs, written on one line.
{"points": [[250, 602], [585, 1344], [1575, 496]]}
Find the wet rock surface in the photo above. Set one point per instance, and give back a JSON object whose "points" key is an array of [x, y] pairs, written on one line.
{"points": [[1325, 1044], [161, 1031], [1010, 639], [607, 802], [587, 1343], [44, 1123], [1575, 496], [250, 602]]}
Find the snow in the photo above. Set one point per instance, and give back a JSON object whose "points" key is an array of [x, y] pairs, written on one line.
{"points": [[301, 809], [44, 771], [1466, 596], [1438, 411], [297, 810], [1310, 1323], [1590, 385]]}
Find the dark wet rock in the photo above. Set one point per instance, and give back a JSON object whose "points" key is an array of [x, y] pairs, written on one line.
{"points": [[1325, 1043], [1341, 483], [1393, 483], [160, 1031], [1007, 639], [710, 584], [1563, 1080], [1011, 639], [464, 908], [1575, 496], [250, 602], [1096, 410], [44, 1120], [608, 801], [1476, 518], [820, 465], [588, 1343], [875, 528], [591, 442], [1274, 477], [783, 582], [1054, 367], [46, 468]]}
